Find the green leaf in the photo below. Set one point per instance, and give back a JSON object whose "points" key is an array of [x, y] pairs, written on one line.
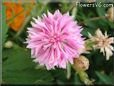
{"points": [[18, 68], [88, 29], [4, 25], [104, 78], [60, 76], [101, 10]]}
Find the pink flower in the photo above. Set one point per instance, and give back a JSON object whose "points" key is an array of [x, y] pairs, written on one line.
{"points": [[55, 40]]}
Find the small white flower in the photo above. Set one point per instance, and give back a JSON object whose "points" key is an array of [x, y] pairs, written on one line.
{"points": [[103, 42]]}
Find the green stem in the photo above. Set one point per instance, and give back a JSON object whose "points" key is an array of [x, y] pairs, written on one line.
{"points": [[92, 19], [68, 71], [42, 9], [84, 77]]}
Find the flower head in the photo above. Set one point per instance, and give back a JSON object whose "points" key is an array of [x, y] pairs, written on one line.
{"points": [[55, 40], [103, 42]]}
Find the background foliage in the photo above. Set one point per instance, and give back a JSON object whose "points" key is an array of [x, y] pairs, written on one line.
{"points": [[18, 67]]}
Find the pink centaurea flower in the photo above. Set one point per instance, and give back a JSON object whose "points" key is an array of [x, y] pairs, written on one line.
{"points": [[55, 40]]}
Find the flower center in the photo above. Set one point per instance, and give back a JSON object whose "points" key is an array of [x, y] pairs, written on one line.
{"points": [[54, 38]]}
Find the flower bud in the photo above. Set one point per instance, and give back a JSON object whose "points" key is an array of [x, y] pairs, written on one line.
{"points": [[8, 44], [110, 14], [81, 63]]}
